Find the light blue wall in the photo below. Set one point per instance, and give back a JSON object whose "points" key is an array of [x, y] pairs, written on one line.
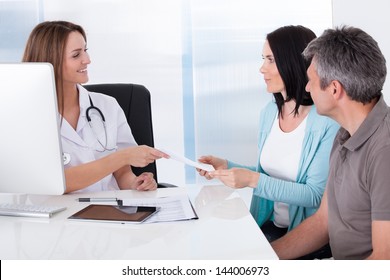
{"points": [[229, 91], [17, 18]]}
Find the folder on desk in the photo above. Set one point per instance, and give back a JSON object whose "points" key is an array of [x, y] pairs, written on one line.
{"points": [[172, 208]]}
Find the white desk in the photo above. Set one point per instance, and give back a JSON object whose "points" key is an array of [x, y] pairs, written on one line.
{"points": [[225, 230]]}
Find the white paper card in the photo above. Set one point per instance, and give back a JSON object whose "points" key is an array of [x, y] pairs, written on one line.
{"points": [[206, 167]]}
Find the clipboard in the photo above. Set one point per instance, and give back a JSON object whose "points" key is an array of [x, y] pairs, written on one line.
{"points": [[172, 208], [115, 213]]}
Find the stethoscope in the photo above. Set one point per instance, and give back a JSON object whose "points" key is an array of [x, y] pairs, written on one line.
{"points": [[67, 157], [103, 119]]}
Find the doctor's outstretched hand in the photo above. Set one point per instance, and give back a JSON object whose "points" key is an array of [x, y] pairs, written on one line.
{"points": [[140, 156], [217, 163]]}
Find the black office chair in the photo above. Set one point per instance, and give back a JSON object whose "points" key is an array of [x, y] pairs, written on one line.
{"points": [[135, 101]]}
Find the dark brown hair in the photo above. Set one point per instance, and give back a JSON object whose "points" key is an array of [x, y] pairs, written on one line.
{"points": [[46, 43]]}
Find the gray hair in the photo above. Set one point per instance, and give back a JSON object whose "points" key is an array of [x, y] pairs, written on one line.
{"points": [[352, 57]]}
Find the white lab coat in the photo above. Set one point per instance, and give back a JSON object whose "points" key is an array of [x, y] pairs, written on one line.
{"points": [[82, 146]]}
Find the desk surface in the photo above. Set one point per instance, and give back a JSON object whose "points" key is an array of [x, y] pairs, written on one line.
{"points": [[225, 230]]}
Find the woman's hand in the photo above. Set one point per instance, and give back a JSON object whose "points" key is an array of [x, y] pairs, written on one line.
{"points": [[217, 163], [144, 182], [236, 177]]}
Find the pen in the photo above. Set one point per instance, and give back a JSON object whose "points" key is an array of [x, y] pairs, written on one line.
{"points": [[98, 199]]}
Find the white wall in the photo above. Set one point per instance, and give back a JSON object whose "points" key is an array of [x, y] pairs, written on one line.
{"points": [[371, 16]]}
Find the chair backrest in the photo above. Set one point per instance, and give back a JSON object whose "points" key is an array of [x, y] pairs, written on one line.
{"points": [[135, 102]]}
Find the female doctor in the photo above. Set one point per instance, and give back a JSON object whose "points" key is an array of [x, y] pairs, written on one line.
{"points": [[96, 140]]}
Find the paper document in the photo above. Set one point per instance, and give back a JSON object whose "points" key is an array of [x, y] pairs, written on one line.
{"points": [[206, 167], [174, 208]]}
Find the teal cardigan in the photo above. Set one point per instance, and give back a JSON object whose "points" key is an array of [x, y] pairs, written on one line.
{"points": [[304, 195]]}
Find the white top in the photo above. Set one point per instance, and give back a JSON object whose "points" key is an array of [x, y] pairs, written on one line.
{"points": [[82, 146], [280, 159]]}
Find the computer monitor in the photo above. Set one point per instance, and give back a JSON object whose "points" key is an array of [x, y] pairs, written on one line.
{"points": [[31, 159]]}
